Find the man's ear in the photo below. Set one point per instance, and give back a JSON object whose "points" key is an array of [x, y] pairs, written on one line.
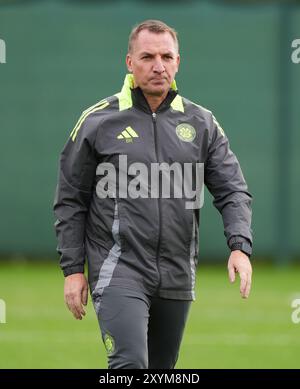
{"points": [[178, 62], [129, 62]]}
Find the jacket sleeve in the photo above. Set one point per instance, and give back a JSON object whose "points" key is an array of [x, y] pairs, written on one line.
{"points": [[76, 175], [225, 181]]}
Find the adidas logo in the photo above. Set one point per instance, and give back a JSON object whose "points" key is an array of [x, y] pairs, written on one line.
{"points": [[128, 134]]}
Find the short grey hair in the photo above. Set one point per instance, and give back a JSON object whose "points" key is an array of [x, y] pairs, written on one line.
{"points": [[156, 26]]}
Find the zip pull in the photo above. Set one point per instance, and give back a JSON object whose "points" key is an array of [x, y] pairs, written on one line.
{"points": [[154, 116]]}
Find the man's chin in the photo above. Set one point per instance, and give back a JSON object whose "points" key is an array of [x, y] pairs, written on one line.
{"points": [[158, 92]]}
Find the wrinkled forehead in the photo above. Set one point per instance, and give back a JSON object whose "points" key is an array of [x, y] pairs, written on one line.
{"points": [[154, 43]]}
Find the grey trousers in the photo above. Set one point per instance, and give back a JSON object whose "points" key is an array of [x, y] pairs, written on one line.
{"points": [[140, 331]]}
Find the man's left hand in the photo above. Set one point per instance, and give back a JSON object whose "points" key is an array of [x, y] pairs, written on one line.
{"points": [[239, 263]]}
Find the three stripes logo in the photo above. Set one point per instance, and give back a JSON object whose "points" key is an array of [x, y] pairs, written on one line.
{"points": [[128, 134]]}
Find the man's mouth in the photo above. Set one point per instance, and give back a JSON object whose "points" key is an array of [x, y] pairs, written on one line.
{"points": [[158, 80]]}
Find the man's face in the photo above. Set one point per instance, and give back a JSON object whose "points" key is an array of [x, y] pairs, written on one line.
{"points": [[154, 61]]}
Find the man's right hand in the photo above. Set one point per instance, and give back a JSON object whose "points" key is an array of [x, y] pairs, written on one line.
{"points": [[76, 294]]}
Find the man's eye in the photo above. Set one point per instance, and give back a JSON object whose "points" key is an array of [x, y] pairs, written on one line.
{"points": [[146, 57]]}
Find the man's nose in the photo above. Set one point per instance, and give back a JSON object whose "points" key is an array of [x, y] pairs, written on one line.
{"points": [[158, 66]]}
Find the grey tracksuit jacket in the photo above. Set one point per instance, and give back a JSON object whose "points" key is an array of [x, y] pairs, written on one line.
{"points": [[147, 244]]}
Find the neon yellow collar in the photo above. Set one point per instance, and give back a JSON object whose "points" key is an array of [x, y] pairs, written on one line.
{"points": [[125, 99]]}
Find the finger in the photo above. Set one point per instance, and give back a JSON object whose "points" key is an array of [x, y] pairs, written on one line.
{"points": [[73, 308], [243, 284], [231, 274], [76, 313], [248, 287], [84, 297], [78, 305], [72, 303]]}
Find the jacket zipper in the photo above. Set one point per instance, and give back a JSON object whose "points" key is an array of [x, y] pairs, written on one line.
{"points": [[159, 200]]}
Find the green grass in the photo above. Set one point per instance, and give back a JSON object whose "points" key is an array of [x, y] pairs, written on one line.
{"points": [[223, 330]]}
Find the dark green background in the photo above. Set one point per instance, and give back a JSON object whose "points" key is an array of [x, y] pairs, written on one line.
{"points": [[64, 56]]}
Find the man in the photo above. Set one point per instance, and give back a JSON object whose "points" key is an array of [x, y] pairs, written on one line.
{"points": [[142, 250]]}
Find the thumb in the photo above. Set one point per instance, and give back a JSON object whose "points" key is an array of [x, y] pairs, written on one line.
{"points": [[84, 296], [231, 273]]}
